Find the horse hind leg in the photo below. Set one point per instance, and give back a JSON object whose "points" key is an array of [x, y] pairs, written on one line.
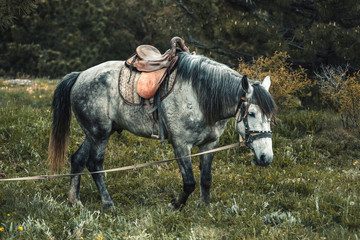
{"points": [[78, 162], [95, 163]]}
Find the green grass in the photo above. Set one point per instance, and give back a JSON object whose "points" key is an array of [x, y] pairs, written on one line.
{"points": [[311, 190]]}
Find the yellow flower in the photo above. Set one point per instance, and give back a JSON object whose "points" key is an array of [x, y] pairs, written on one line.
{"points": [[355, 163], [100, 237], [8, 215], [20, 228], [40, 96], [1, 229]]}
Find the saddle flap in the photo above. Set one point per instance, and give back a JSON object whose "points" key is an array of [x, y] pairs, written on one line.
{"points": [[149, 82]]}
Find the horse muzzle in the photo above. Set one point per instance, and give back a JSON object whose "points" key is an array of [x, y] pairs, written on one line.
{"points": [[263, 160]]}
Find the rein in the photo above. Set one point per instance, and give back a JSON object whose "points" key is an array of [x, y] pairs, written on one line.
{"points": [[126, 168], [242, 115]]}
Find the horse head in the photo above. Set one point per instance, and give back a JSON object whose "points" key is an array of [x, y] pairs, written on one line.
{"points": [[253, 119]]}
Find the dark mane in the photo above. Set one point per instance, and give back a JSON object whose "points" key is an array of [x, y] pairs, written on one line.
{"points": [[264, 100], [217, 86]]}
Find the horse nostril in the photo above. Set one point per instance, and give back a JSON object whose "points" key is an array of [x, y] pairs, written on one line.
{"points": [[264, 161]]}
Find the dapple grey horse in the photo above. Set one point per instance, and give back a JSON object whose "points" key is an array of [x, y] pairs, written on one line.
{"points": [[205, 95]]}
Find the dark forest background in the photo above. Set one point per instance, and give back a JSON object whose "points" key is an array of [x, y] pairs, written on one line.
{"points": [[49, 38]]}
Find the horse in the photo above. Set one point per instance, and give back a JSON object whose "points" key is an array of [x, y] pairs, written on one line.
{"points": [[206, 94]]}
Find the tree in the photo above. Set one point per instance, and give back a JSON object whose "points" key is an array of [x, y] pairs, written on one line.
{"points": [[312, 32], [10, 10], [64, 35]]}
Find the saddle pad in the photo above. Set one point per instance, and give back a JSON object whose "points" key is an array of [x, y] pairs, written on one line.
{"points": [[127, 86]]}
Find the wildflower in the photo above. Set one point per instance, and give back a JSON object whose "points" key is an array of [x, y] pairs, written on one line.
{"points": [[356, 162], [20, 228], [8, 215], [40, 96], [100, 237], [1, 229]]}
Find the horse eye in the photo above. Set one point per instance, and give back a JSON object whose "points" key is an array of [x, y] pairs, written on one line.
{"points": [[251, 114]]}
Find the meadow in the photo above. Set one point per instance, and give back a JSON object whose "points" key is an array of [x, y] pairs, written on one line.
{"points": [[310, 191]]}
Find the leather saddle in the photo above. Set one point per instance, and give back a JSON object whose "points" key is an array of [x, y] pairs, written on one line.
{"points": [[154, 66]]}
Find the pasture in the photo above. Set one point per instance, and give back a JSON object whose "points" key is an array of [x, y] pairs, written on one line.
{"points": [[310, 191]]}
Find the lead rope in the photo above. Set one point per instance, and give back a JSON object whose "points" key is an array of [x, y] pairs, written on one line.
{"points": [[126, 168]]}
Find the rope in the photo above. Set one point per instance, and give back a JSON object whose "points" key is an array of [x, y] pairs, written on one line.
{"points": [[126, 168]]}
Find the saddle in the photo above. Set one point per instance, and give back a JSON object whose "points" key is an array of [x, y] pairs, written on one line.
{"points": [[154, 66]]}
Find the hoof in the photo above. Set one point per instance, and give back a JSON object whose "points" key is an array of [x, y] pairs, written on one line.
{"points": [[173, 205], [205, 202], [108, 206], [75, 203]]}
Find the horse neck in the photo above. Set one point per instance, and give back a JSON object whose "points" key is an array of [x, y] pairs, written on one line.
{"points": [[217, 86], [229, 110], [230, 105]]}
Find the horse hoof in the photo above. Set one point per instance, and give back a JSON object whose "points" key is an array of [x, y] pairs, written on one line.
{"points": [[173, 205], [205, 202], [108, 206], [75, 204]]}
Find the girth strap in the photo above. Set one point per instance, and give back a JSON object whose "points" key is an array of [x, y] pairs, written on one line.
{"points": [[161, 129]]}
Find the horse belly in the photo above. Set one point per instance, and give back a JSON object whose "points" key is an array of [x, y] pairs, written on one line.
{"points": [[136, 120]]}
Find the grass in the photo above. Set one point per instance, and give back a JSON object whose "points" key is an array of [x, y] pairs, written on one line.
{"points": [[311, 190]]}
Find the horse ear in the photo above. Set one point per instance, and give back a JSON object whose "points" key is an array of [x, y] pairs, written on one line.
{"points": [[245, 83], [266, 83], [247, 87]]}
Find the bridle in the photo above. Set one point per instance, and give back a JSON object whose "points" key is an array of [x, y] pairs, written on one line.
{"points": [[241, 115]]}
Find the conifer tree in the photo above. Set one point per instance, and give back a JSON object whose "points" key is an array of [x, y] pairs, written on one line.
{"points": [[10, 10], [65, 35]]}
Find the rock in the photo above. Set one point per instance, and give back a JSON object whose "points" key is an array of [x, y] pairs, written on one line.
{"points": [[20, 82]]}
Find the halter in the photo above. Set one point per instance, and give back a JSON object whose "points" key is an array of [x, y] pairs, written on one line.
{"points": [[250, 135]]}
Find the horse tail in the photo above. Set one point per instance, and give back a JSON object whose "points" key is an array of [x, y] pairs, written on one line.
{"points": [[60, 129]]}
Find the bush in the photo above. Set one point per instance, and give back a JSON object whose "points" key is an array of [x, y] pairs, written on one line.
{"points": [[288, 84], [342, 92]]}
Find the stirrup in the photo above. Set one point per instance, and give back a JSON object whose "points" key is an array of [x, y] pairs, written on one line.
{"points": [[153, 134]]}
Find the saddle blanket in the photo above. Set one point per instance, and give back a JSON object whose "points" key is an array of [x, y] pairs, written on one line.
{"points": [[127, 86]]}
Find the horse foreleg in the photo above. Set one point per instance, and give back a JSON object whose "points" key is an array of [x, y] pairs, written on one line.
{"points": [[95, 163], [205, 171], [187, 175], [78, 162]]}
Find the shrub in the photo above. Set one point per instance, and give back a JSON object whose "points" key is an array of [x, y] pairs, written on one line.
{"points": [[288, 84], [342, 92]]}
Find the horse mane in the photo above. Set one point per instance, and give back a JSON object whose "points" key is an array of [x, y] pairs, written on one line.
{"points": [[217, 86], [264, 100]]}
